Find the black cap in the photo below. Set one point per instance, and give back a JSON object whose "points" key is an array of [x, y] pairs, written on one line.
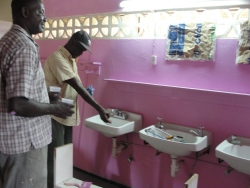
{"points": [[84, 39]]}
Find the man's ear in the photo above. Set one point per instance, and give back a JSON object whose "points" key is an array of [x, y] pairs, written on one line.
{"points": [[25, 12]]}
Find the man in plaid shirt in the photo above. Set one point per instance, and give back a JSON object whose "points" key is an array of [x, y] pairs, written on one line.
{"points": [[25, 124]]}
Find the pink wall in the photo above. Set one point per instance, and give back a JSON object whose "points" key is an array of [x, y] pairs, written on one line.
{"points": [[55, 8], [222, 113]]}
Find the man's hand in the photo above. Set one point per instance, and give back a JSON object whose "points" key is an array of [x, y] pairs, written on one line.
{"points": [[82, 91], [21, 106], [104, 116], [63, 110]]}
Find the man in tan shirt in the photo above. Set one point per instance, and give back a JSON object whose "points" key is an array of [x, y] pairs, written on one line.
{"points": [[61, 70]]}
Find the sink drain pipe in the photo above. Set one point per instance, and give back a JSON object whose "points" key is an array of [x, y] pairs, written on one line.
{"points": [[117, 147], [175, 166]]}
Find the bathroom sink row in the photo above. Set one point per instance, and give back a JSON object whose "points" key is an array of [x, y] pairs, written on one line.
{"points": [[175, 140]]}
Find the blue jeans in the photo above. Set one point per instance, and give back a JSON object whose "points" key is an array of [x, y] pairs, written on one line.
{"points": [[61, 135]]}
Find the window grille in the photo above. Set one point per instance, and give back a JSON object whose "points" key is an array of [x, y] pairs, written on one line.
{"points": [[142, 25]]}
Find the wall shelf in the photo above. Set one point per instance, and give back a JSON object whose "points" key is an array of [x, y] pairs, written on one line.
{"points": [[174, 87], [183, 93]]}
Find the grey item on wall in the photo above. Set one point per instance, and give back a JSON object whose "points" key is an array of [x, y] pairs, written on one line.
{"points": [[5, 10], [5, 26]]}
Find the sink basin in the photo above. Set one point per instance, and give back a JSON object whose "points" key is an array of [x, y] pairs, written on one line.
{"points": [[117, 127], [236, 156], [183, 142]]}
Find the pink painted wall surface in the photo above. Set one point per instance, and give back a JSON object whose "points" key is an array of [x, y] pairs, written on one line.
{"points": [[222, 113], [55, 8]]}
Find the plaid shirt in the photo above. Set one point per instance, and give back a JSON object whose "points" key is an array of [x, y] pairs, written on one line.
{"points": [[21, 76]]}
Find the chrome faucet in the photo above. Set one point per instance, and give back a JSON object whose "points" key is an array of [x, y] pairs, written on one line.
{"points": [[160, 126], [119, 114], [116, 112], [192, 131], [234, 140], [200, 131]]}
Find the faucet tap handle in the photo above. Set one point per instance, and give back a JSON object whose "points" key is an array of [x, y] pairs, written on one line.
{"points": [[235, 140], [234, 137], [159, 120], [119, 112], [160, 123], [114, 112], [201, 131]]}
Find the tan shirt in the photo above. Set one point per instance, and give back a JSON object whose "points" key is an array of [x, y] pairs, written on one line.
{"points": [[60, 66]]}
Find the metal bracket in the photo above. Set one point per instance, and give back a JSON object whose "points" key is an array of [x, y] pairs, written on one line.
{"points": [[157, 152], [202, 152], [145, 142], [220, 160]]}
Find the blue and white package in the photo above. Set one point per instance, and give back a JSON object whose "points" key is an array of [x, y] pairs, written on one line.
{"points": [[243, 49], [193, 41]]}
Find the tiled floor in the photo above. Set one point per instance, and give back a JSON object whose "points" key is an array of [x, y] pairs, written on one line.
{"points": [[82, 175]]}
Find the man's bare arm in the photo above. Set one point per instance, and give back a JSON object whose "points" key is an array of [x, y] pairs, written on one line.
{"points": [[22, 106]]}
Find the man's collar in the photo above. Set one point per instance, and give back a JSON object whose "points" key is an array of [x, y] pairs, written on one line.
{"points": [[19, 28], [65, 52]]}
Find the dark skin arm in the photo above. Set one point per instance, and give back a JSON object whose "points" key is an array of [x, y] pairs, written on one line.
{"points": [[24, 107], [77, 85]]}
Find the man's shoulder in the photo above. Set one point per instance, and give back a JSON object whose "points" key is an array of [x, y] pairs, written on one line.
{"points": [[16, 39], [55, 56]]}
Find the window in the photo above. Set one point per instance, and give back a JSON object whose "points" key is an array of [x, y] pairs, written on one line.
{"points": [[141, 25]]}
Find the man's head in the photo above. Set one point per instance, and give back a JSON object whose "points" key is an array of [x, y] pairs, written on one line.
{"points": [[29, 14], [78, 43]]}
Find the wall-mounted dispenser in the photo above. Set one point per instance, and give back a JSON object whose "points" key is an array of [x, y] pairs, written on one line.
{"points": [[90, 68]]}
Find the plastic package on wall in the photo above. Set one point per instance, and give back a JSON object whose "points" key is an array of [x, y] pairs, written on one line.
{"points": [[243, 50], [191, 41]]}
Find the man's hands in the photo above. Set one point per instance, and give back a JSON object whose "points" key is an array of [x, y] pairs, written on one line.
{"points": [[104, 115], [21, 106], [63, 110]]}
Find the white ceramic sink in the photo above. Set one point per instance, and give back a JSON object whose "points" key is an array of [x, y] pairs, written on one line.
{"points": [[117, 127], [183, 142], [236, 156]]}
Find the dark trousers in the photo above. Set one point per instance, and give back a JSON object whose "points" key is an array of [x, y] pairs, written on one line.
{"points": [[61, 135], [25, 170]]}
